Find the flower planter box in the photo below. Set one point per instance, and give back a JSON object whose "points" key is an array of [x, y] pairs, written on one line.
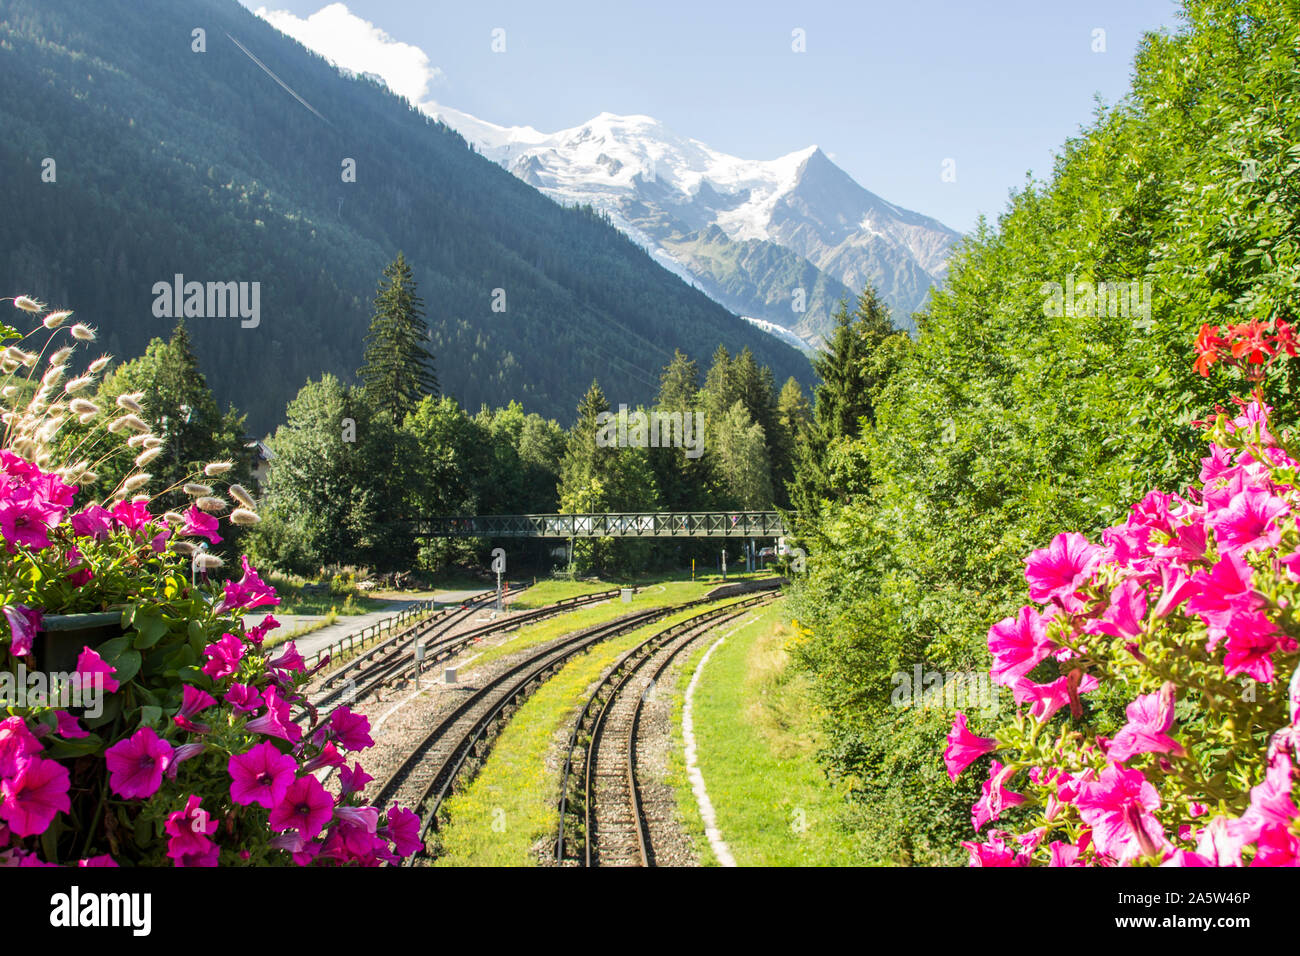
{"points": [[62, 636]]}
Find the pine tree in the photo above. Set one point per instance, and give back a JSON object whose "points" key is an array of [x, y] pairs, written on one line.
{"points": [[853, 369], [679, 384], [398, 370]]}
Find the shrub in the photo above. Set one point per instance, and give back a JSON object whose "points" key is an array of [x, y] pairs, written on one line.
{"points": [[1187, 608]]}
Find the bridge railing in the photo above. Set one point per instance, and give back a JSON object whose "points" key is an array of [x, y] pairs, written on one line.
{"points": [[649, 524]]}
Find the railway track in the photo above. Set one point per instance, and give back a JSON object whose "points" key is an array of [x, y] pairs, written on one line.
{"points": [[614, 830], [366, 673], [426, 776]]}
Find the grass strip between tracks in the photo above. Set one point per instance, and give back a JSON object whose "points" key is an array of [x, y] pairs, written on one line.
{"points": [[570, 621], [756, 734], [507, 815]]}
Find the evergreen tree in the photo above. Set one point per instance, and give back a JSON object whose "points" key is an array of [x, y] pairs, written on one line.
{"points": [[609, 478], [679, 383], [859, 358], [793, 418], [742, 456], [398, 369]]}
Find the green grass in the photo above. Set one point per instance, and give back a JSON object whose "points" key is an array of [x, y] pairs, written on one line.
{"points": [[293, 600], [756, 739], [656, 595], [509, 810], [550, 591]]}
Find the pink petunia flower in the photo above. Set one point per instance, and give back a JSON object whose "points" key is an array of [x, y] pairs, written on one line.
{"points": [[1147, 730], [31, 798], [136, 765], [223, 656], [995, 798], [1276, 846], [17, 742], [28, 522], [92, 670], [964, 747], [1222, 593], [24, 622], [329, 756], [352, 731], [248, 592], [1182, 858], [276, 721], [1118, 808], [995, 852], [1252, 641], [261, 776], [1056, 572], [258, 632], [1125, 615], [1046, 699], [1018, 645], [243, 698], [1063, 854], [288, 660], [1249, 522], [93, 522], [188, 831], [69, 727], [306, 807], [1270, 803], [132, 514], [193, 700], [200, 525], [403, 828], [353, 781]]}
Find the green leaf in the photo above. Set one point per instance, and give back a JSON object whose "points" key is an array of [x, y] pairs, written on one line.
{"points": [[150, 715], [112, 708], [127, 665], [150, 630], [61, 749]]}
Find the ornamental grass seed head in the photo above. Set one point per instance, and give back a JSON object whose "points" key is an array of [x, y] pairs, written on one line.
{"points": [[240, 494], [244, 517], [131, 402]]}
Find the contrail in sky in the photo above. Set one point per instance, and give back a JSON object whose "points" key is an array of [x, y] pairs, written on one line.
{"points": [[267, 71]]}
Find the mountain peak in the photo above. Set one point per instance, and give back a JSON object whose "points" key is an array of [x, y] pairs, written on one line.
{"points": [[659, 186]]}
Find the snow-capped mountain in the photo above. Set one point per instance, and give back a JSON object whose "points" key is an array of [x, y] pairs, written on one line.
{"points": [[762, 237]]}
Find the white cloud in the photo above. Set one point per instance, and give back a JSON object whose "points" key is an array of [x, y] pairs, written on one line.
{"points": [[358, 45]]}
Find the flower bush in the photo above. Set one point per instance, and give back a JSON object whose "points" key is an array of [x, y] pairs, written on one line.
{"points": [[1187, 611], [170, 742]]}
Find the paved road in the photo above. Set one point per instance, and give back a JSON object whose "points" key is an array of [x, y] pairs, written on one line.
{"points": [[309, 644]]}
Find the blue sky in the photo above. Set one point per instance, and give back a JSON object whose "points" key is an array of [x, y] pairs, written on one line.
{"points": [[889, 90]]}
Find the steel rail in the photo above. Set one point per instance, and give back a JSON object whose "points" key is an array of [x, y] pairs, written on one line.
{"points": [[639, 655]]}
